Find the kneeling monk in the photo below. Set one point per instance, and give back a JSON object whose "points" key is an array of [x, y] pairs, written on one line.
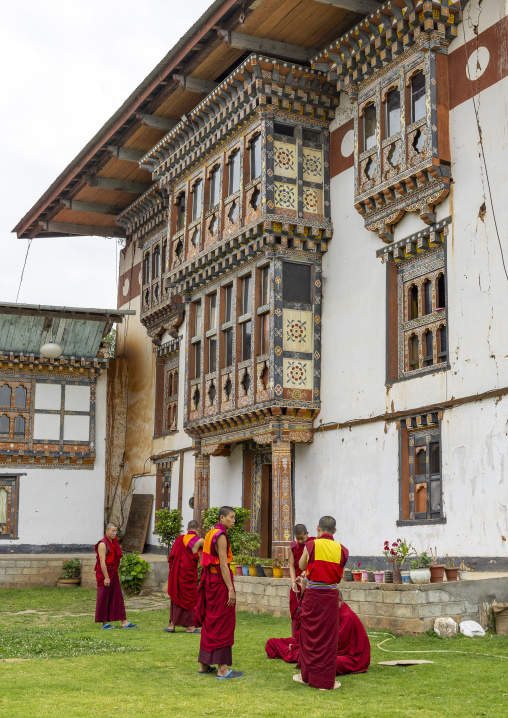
{"points": [[353, 651], [215, 607], [183, 579], [110, 605]]}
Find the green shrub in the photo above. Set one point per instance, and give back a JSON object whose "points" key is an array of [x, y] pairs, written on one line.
{"points": [[168, 526], [132, 572], [71, 568], [237, 533]]}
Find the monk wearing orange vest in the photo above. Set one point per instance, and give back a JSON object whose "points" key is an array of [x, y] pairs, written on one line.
{"points": [[183, 579], [324, 560], [215, 607]]}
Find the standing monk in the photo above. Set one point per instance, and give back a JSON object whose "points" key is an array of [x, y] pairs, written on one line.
{"points": [[215, 608], [183, 579], [324, 560], [301, 537], [110, 605]]}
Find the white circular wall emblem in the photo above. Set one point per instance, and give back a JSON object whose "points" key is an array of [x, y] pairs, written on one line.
{"points": [[348, 144], [477, 63], [125, 288]]}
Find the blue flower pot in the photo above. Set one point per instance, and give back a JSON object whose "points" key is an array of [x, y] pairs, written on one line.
{"points": [[245, 570]]}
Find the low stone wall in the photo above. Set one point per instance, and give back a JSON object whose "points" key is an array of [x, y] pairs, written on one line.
{"points": [[263, 595], [27, 570]]}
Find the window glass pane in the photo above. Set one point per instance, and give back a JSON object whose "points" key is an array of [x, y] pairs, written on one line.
{"points": [[212, 354], [19, 426], [4, 425], [20, 397], [3, 506], [197, 319], [442, 341], [369, 127], [77, 398], [418, 109], [311, 136], [146, 269], [212, 311], [255, 157], [228, 298], [435, 496], [76, 428], [414, 362], [214, 187], [441, 300], [297, 283], [234, 173], [434, 458], [392, 112], [427, 296], [420, 460], [229, 347], [47, 427], [264, 286], [246, 340], [246, 294], [181, 212], [197, 360], [285, 130], [413, 299], [5, 395], [197, 196], [156, 262], [265, 332], [48, 396], [429, 348]]}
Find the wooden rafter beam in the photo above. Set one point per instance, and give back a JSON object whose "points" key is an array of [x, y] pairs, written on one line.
{"points": [[267, 47], [155, 122], [194, 84], [79, 206], [363, 7], [86, 230], [116, 185], [126, 153]]}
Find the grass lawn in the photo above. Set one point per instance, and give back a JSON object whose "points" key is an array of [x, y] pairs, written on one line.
{"points": [[77, 671]]}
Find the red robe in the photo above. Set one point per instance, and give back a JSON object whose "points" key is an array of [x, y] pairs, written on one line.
{"points": [[109, 605], [183, 580], [353, 651], [295, 598], [212, 612]]}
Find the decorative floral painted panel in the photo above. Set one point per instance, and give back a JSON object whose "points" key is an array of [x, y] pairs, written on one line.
{"points": [[312, 165], [297, 334], [285, 195], [297, 373], [284, 159]]}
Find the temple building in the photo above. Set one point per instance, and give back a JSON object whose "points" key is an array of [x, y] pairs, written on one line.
{"points": [[310, 195]]}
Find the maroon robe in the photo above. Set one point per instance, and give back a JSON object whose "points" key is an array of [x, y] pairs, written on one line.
{"points": [[353, 651], [295, 598], [109, 605], [183, 580], [212, 612]]}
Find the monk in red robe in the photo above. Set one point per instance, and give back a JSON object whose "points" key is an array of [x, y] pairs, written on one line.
{"points": [[353, 651], [301, 537], [183, 579], [215, 607], [109, 606], [324, 560]]}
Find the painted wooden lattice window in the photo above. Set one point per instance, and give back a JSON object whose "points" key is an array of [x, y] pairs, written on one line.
{"points": [[420, 469], [9, 506], [422, 315], [14, 411], [171, 396]]}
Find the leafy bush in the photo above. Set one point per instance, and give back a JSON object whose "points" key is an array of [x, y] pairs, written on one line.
{"points": [[237, 533], [132, 572], [168, 525], [71, 568]]}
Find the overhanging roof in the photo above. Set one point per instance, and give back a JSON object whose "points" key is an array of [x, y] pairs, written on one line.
{"points": [[105, 177], [24, 328]]}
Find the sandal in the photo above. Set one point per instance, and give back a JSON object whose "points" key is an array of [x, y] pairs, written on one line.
{"points": [[106, 626], [130, 625], [230, 674]]}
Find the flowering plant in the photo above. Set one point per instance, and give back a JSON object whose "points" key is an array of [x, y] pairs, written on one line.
{"points": [[71, 568], [357, 568], [398, 552]]}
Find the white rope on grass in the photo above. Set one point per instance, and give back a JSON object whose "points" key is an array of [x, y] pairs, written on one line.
{"points": [[466, 653]]}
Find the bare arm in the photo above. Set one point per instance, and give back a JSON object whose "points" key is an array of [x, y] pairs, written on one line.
{"points": [[304, 559], [292, 572], [102, 559], [222, 550], [199, 544]]}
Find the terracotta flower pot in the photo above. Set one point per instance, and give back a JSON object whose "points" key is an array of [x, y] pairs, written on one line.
{"points": [[451, 573], [277, 572], [239, 571], [285, 572], [436, 572], [397, 576], [357, 576]]}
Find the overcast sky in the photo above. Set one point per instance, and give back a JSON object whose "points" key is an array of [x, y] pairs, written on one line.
{"points": [[66, 67]]}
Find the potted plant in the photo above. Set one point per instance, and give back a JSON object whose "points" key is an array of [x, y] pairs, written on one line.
{"points": [[357, 572], [463, 569], [397, 555], [238, 564], [451, 570], [277, 568], [436, 569], [348, 575], [420, 571], [71, 573], [168, 526], [370, 574], [379, 576], [132, 572], [268, 568]]}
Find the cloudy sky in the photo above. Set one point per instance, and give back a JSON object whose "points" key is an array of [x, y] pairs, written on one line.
{"points": [[66, 67]]}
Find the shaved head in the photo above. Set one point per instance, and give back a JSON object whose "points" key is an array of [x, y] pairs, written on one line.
{"points": [[192, 526], [300, 530], [327, 524]]}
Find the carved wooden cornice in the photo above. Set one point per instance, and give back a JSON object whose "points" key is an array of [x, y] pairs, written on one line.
{"points": [[147, 213]]}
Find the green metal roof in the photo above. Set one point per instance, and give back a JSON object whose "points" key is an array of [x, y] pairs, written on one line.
{"points": [[24, 328]]}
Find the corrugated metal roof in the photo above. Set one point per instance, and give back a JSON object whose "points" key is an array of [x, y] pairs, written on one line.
{"points": [[26, 327]]}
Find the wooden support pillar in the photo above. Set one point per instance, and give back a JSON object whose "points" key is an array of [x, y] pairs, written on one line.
{"points": [[201, 485], [282, 501]]}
